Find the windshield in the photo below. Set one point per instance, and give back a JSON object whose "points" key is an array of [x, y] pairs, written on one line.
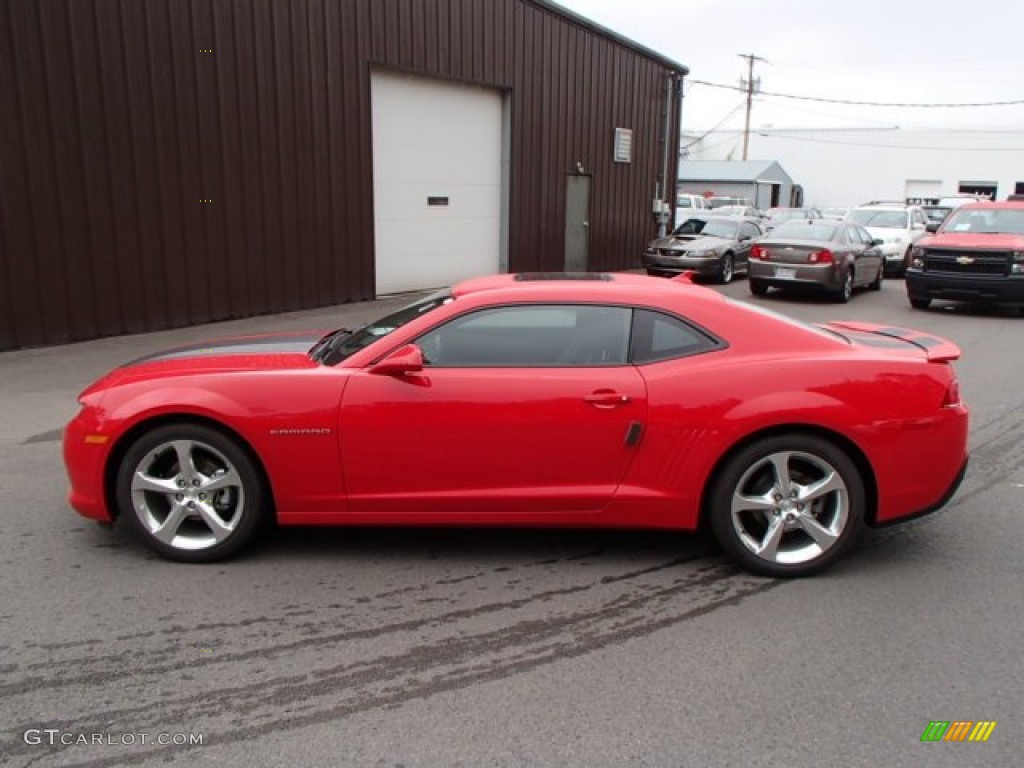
{"points": [[991, 221], [339, 345], [708, 228], [820, 230], [882, 219]]}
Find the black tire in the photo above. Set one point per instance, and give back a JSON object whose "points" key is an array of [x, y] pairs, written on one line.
{"points": [[876, 284], [845, 293], [726, 270], [836, 516], [207, 512], [920, 303], [757, 287]]}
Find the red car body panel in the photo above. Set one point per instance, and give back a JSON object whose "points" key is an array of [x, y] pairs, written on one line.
{"points": [[342, 444]]}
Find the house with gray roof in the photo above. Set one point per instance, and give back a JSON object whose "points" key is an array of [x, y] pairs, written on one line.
{"points": [[763, 182]]}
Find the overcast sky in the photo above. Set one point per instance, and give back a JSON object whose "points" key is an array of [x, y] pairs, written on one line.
{"points": [[915, 51]]}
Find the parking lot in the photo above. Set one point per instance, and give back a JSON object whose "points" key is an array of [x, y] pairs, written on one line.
{"points": [[389, 647]]}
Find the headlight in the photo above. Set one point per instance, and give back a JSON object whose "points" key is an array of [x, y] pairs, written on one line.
{"points": [[702, 254]]}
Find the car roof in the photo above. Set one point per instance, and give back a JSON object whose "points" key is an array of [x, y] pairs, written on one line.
{"points": [[998, 205], [879, 205], [620, 287]]}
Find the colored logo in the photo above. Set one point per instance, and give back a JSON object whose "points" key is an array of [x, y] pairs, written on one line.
{"points": [[958, 730]]}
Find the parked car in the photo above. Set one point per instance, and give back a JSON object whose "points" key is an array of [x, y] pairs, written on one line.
{"points": [[976, 255], [709, 245], [776, 216], [836, 256], [606, 400], [898, 226], [836, 214], [739, 210], [687, 204], [719, 202]]}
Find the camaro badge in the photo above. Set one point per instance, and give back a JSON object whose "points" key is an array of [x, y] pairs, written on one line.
{"points": [[305, 431]]}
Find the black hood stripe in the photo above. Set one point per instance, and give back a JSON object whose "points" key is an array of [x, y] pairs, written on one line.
{"points": [[296, 344]]}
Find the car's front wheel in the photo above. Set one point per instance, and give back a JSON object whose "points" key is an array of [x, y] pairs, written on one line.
{"points": [[191, 492], [725, 270], [788, 505]]}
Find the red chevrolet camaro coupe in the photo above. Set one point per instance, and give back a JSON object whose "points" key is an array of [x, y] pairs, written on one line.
{"points": [[533, 400]]}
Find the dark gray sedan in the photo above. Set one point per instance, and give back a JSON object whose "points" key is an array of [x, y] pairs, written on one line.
{"points": [[709, 245], [833, 255]]}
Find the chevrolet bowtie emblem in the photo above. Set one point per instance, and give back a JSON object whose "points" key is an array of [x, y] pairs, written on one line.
{"points": [[964, 259]]}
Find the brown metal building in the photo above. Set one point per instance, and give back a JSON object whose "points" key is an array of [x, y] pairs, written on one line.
{"points": [[171, 162]]}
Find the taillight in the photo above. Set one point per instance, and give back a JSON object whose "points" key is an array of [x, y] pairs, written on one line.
{"points": [[952, 398], [758, 253], [820, 257]]}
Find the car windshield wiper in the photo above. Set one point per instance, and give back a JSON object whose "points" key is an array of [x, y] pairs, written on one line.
{"points": [[319, 350]]}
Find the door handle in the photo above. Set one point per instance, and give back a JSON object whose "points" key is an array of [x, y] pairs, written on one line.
{"points": [[606, 398]]}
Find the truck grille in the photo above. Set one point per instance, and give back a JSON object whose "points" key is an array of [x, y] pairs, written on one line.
{"points": [[967, 262]]}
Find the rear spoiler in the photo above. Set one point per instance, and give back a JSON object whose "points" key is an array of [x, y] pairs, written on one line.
{"points": [[936, 348]]}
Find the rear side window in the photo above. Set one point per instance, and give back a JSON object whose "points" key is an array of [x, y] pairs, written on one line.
{"points": [[657, 336]]}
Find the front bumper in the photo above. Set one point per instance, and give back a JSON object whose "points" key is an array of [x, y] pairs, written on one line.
{"points": [[704, 266], [998, 289], [85, 456]]}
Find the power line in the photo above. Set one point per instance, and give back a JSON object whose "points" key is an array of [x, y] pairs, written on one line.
{"points": [[715, 127], [779, 134], [919, 105]]}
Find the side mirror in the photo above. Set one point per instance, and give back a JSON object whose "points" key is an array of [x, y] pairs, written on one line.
{"points": [[932, 227], [403, 361], [876, 242]]}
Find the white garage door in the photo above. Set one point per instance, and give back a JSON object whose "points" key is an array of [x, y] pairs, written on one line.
{"points": [[436, 181]]}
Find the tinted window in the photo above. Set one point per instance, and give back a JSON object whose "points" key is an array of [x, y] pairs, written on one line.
{"points": [[657, 336], [531, 336]]}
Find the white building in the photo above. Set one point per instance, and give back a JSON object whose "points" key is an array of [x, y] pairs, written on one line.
{"points": [[847, 167]]}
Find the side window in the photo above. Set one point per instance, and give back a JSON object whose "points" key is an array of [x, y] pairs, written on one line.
{"points": [[531, 336], [850, 236], [750, 230], [657, 336]]}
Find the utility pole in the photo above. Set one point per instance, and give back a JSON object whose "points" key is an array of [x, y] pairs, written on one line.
{"points": [[751, 58]]}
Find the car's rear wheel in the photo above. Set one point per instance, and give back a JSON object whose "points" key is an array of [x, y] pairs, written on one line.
{"points": [[920, 303], [190, 492], [845, 293], [789, 505], [725, 270], [757, 287]]}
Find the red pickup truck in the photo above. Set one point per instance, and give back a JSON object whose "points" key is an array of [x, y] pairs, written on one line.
{"points": [[976, 255]]}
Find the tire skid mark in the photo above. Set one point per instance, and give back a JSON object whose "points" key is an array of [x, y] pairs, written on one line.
{"points": [[115, 669], [428, 668]]}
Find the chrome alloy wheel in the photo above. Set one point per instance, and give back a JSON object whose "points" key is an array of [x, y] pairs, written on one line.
{"points": [[790, 507], [187, 494]]}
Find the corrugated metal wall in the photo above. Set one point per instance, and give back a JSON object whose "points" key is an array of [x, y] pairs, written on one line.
{"points": [[171, 162]]}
